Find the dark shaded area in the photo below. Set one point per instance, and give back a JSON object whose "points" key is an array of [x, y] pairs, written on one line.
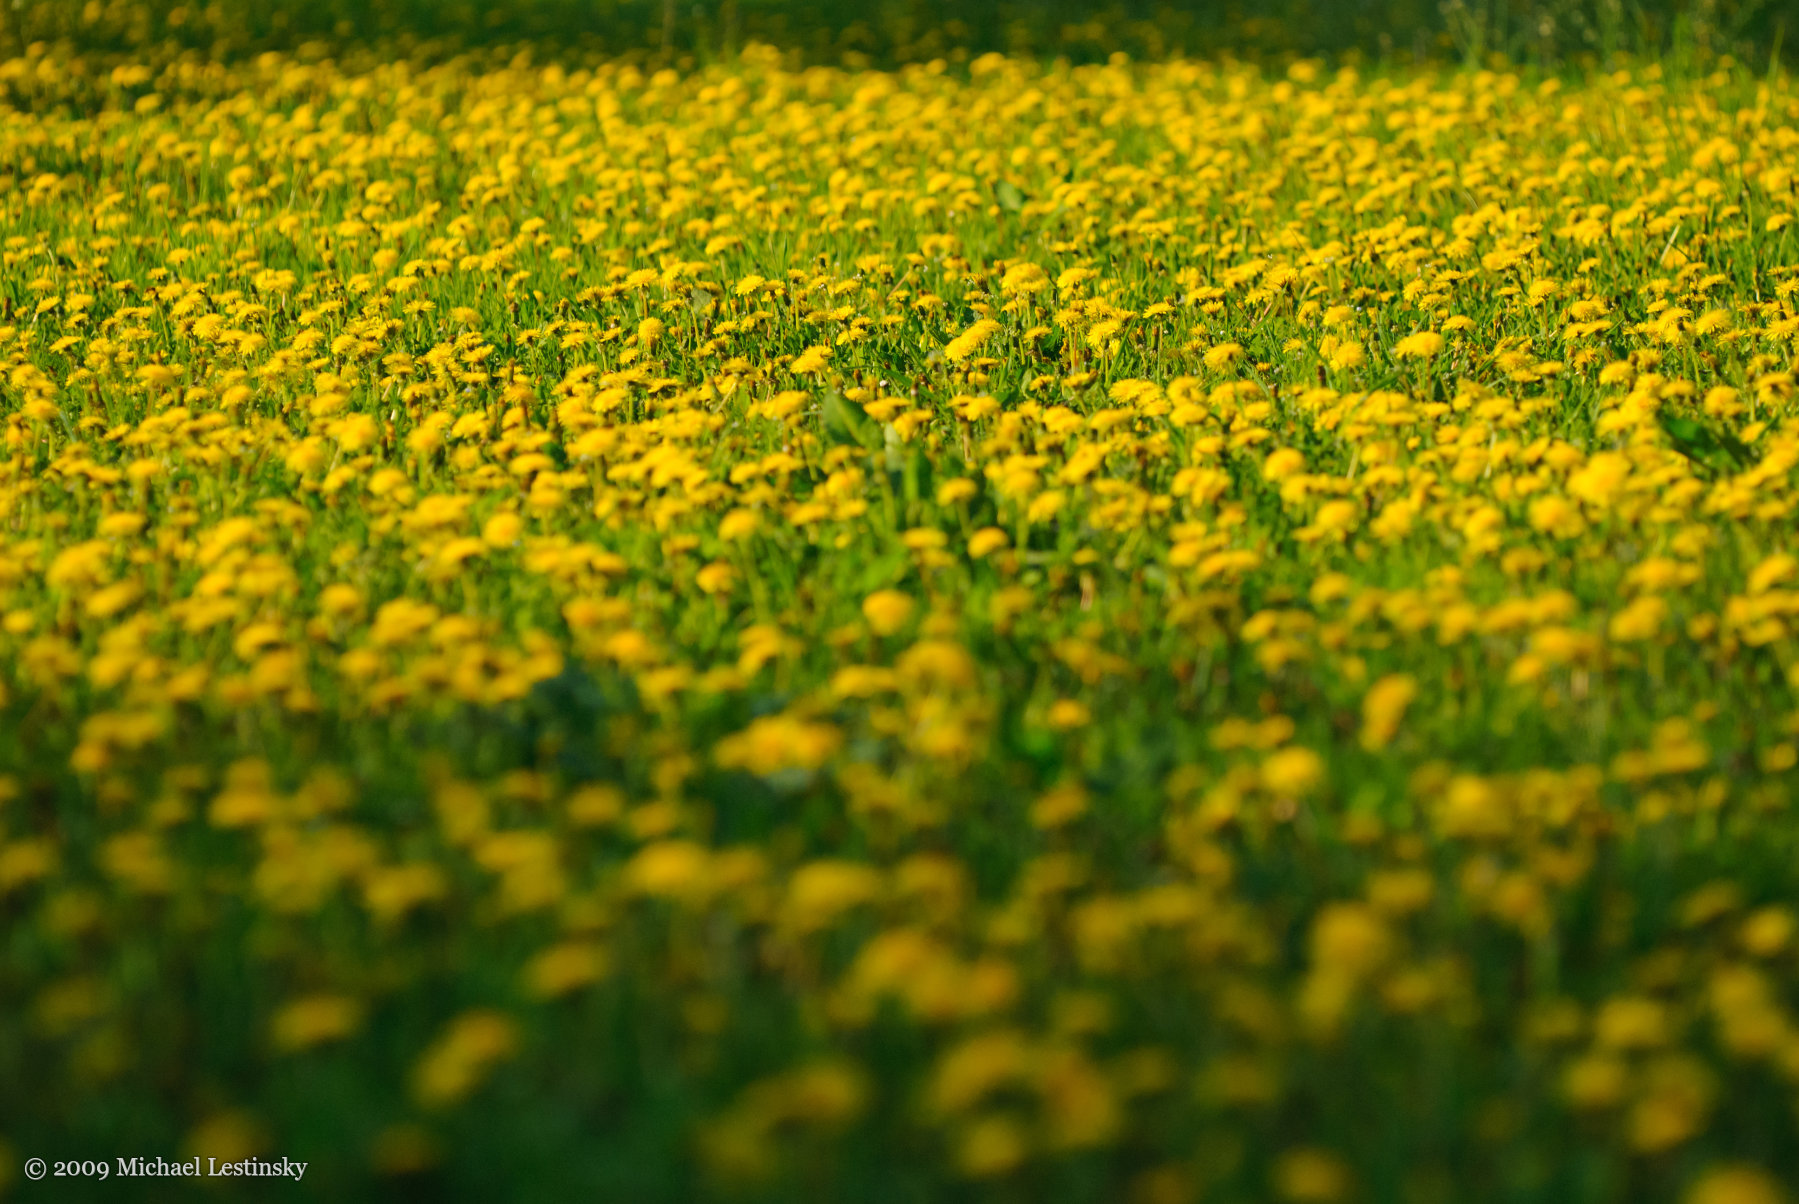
{"points": [[885, 32]]}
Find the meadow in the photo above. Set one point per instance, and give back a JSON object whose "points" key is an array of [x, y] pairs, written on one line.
{"points": [[991, 627]]}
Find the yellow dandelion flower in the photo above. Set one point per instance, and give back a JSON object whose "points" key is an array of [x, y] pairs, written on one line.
{"points": [[316, 1019], [1068, 714], [462, 1056], [810, 361], [887, 611], [1735, 1185], [1223, 356], [970, 340], [1384, 706], [1424, 345], [987, 541]]}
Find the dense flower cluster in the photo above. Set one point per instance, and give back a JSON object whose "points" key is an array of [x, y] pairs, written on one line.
{"points": [[1124, 632]]}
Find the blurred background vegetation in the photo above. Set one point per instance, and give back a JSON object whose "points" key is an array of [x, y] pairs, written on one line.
{"points": [[885, 32]]}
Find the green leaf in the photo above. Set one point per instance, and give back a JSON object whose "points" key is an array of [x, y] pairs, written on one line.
{"points": [[1740, 452], [1010, 199], [846, 422], [1716, 450]]}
